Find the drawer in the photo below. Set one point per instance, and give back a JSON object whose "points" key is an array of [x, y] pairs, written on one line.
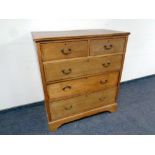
{"points": [[63, 50], [73, 68], [72, 88], [106, 46], [76, 105]]}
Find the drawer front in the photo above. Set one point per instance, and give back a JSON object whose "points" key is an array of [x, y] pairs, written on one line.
{"points": [[106, 46], [72, 88], [64, 50], [64, 108], [65, 69]]}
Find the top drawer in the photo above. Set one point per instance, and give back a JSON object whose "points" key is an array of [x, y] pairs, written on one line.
{"points": [[64, 50], [106, 46]]}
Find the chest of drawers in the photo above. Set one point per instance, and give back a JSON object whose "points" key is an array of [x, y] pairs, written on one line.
{"points": [[80, 71]]}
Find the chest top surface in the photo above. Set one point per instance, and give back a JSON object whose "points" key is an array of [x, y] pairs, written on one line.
{"points": [[48, 35]]}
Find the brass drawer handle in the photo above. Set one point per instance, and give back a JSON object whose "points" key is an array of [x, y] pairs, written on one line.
{"points": [[68, 108], [102, 98], [103, 81], [67, 72], [66, 52], [66, 88], [108, 47], [106, 64]]}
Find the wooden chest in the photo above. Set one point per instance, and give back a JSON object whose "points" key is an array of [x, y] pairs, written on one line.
{"points": [[81, 71]]}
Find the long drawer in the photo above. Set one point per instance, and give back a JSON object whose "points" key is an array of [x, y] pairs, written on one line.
{"points": [[64, 50], [81, 86], [64, 108], [71, 68], [106, 46]]}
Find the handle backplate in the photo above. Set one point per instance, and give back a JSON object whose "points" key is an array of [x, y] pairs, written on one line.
{"points": [[103, 81], [102, 98], [107, 64], [66, 51], [66, 72], [108, 46], [66, 88], [68, 108]]}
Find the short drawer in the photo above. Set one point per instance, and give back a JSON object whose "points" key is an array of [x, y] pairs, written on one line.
{"points": [[63, 50], [106, 46], [73, 68], [72, 88], [76, 105]]}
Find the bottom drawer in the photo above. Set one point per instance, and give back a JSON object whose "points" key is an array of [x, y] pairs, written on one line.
{"points": [[68, 107]]}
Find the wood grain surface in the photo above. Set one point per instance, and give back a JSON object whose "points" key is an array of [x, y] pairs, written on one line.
{"points": [[81, 72]]}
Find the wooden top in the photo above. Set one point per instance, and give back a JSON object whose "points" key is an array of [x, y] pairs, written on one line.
{"points": [[52, 35]]}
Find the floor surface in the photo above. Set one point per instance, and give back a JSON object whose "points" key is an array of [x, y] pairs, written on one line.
{"points": [[135, 115]]}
